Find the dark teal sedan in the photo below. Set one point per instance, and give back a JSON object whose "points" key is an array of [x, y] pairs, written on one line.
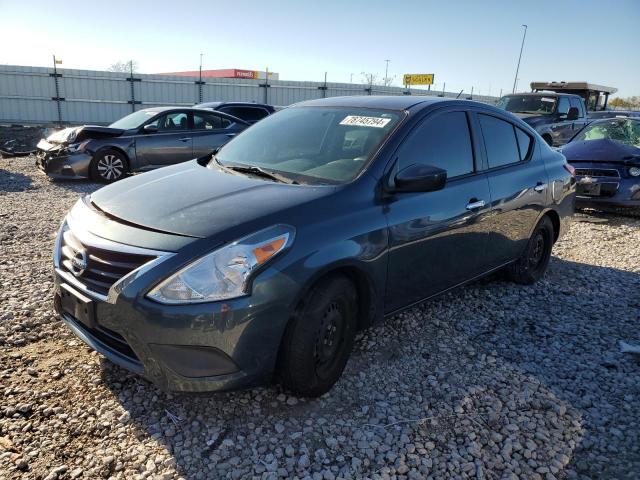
{"points": [[263, 260]]}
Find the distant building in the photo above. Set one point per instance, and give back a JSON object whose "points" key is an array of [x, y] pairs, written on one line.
{"points": [[226, 73]]}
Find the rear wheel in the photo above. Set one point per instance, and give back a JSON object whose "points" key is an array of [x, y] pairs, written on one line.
{"points": [[530, 267], [108, 166], [319, 339]]}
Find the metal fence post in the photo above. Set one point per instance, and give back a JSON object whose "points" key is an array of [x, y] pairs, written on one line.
{"points": [[266, 86], [57, 98], [199, 83], [133, 102], [324, 87]]}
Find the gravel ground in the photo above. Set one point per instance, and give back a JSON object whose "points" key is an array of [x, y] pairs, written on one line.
{"points": [[491, 381]]}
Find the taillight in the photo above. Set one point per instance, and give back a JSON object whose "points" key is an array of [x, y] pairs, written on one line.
{"points": [[570, 169]]}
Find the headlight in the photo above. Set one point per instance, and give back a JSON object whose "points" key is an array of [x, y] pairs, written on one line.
{"points": [[224, 273], [78, 147], [634, 171]]}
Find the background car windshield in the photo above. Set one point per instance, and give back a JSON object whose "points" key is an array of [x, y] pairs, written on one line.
{"points": [[528, 104], [620, 130], [314, 144], [133, 120]]}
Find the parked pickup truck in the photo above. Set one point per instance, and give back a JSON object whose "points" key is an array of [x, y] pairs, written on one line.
{"points": [[557, 117]]}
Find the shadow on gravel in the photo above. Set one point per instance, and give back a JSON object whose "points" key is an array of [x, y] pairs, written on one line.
{"points": [[14, 182], [559, 336]]}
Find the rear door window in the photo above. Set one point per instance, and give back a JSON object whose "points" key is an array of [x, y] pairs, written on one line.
{"points": [[500, 141], [442, 142], [209, 121]]}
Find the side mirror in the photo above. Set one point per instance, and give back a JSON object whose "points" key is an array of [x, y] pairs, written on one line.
{"points": [[419, 178], [150, 129], [573, 113]]}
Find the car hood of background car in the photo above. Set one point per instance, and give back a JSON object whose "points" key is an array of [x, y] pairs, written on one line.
{"points": [[78, 134], [604, 150], [532, 118], [189, 199]]}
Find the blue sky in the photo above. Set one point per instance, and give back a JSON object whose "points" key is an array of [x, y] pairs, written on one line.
{"points": [[464, 43]]}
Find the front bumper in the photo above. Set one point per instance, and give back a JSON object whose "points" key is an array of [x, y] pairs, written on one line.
{"points": [[617, 193], [64, 166], [191, 348]]}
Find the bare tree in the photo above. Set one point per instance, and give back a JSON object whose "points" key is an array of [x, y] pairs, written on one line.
{"points": [[120, 66], [377, 80]]}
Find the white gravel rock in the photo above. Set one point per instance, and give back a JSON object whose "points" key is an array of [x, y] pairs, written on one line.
{"points": [[494, 380]]}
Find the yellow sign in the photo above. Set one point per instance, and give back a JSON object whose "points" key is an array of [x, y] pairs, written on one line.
{"points": [[418, 78]]}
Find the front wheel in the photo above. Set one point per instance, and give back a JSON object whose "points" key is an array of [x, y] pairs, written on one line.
{"points": [[108, 166], [319, 339], [530, 267]]}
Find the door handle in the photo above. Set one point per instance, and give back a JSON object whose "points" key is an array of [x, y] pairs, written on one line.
{"points": [[474, 204], [540, 186], [184, 139]]}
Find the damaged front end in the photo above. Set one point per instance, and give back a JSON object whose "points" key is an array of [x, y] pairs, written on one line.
{"points": [[67, 153]]}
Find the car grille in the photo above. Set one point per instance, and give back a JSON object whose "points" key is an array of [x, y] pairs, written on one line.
{"points": [[103, 267], [597, 172]]}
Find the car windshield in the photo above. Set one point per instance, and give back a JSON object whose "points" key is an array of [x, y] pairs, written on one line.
{"points": [[133, 120], [538, 104], [621, 130], [311, 144]]}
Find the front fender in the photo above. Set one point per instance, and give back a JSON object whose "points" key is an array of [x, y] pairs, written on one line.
{"points": [[363, 259]]}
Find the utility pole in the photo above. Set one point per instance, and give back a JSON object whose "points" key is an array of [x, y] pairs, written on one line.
{"points": [[386, 72], [515, 80]]}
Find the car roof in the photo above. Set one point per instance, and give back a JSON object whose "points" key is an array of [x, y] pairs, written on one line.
{"points": [[543, 94], [397, 102], [239, 104]]}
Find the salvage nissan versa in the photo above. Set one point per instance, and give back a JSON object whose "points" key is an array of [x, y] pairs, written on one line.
{"points": [[263, 259]]}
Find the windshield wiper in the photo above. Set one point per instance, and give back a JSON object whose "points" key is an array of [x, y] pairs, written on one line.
{"points": [[252, 169]]}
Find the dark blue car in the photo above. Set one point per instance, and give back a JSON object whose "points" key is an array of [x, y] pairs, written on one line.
{"points": [[264, 259], [606, 157]]}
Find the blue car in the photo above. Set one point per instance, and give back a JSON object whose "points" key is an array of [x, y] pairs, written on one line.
{"points": [[264, 259], [606, 158]]}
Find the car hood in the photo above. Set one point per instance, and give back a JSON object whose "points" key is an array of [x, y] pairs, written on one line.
{"points": [[532, 118], [79, 134], [190, 199], [604, 150]]}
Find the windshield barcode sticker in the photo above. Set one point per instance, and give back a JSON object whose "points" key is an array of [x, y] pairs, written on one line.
{"points": [[358, 121]]}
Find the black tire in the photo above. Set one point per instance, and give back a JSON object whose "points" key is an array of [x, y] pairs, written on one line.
{"points": [[530, 267], [108, 166], [319, 339]]}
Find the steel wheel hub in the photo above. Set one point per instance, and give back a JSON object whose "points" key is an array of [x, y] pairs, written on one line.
{"points": [[537, 249], [330, 337]]}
